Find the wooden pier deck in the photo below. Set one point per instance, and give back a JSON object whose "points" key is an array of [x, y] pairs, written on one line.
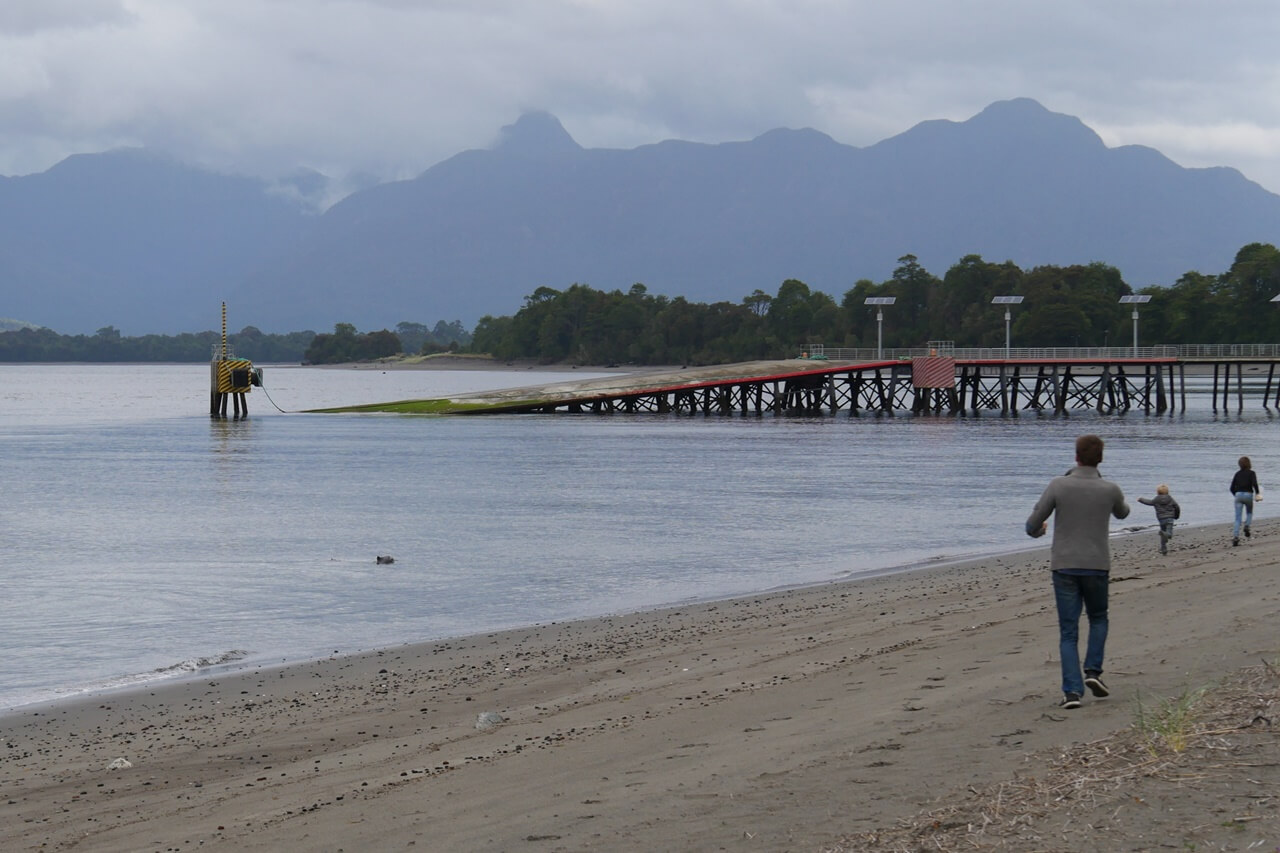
{"points": [[923, 385]]}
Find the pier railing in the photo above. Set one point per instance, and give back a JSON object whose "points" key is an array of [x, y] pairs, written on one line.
{"points": [[1188, 351], [1228, 350]]}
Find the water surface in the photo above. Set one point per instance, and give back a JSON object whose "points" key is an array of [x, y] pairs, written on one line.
{"points": [[142, 539]]}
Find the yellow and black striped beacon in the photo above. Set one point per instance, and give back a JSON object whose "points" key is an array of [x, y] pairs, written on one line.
{"points": [[231, 377]]}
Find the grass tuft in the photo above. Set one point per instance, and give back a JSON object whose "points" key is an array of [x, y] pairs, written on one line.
{"points": [[1170, 723]]}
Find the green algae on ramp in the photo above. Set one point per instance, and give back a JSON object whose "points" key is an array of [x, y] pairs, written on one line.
{"points": [[425, 407]]}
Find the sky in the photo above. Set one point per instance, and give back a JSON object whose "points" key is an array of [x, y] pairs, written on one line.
{"points": [[384, 89]]}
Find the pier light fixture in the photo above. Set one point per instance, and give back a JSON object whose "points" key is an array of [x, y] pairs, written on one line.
{"points": [[1006, 301], [880, 302], [1135, 299]]}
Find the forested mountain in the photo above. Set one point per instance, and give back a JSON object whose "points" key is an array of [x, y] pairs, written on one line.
{"points": [[134, 241], [145, 245], [715, 222]]}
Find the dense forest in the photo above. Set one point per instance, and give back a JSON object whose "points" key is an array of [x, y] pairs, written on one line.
{"points": [[1063, 306]]}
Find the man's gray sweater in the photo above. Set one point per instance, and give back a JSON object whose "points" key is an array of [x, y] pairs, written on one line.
{"points": [[1083, 504]]}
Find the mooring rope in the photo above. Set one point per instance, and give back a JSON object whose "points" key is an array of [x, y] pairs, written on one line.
{"points": [[273, 402]]}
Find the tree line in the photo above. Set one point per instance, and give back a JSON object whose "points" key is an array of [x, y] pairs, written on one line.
{"points": [[345, 344], [108, 345], [1077, 305]]}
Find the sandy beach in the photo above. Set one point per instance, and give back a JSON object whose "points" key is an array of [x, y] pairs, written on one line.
{"points": [[821, 718]]}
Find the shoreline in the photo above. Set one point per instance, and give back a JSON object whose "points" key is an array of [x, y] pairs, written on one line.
{"points": [[139, 681], [783, 720]]}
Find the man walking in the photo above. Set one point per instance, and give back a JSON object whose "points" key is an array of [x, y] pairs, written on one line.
{"points": [[1080, 559]]}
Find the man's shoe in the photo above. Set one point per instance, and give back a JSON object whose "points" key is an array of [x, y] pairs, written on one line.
{"points": [[1235, 541], [1070, 700], [1247, 534], [1095, 685]]}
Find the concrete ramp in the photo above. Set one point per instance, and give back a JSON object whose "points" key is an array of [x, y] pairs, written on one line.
{"points": [[592, 394]]}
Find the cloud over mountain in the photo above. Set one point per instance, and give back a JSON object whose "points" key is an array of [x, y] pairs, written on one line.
{"points": [[149, 245]]}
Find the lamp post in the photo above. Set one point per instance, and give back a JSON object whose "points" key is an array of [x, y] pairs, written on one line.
{"points": [[880, 302], [1006, 301], [1135, 300]]}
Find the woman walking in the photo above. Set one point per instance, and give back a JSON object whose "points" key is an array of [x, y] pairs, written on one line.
{"points": [[1244, 488]]}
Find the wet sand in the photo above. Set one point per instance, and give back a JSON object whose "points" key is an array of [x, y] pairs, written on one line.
{"points": [[780, 721]]}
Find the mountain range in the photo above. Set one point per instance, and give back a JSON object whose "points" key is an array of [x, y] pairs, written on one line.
{"points": [[147, 244]]}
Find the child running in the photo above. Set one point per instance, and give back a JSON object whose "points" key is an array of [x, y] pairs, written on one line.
{"points": [[1244, 490], [1167, 510]]}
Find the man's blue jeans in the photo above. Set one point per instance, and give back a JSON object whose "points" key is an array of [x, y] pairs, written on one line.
{"points": [[1244, 501], [1074, 593]]}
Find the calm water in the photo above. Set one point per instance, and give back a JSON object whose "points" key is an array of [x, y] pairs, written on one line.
{"points": [[143, 540]]}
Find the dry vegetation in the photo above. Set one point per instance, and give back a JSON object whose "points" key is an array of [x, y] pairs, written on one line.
{"points": [[1195, 772]]}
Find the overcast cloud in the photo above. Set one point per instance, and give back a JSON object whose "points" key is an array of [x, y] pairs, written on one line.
{"points": [[391, 87]]}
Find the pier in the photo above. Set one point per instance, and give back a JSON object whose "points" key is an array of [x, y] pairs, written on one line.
{"points": [[925, 385], [936, 380]]}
